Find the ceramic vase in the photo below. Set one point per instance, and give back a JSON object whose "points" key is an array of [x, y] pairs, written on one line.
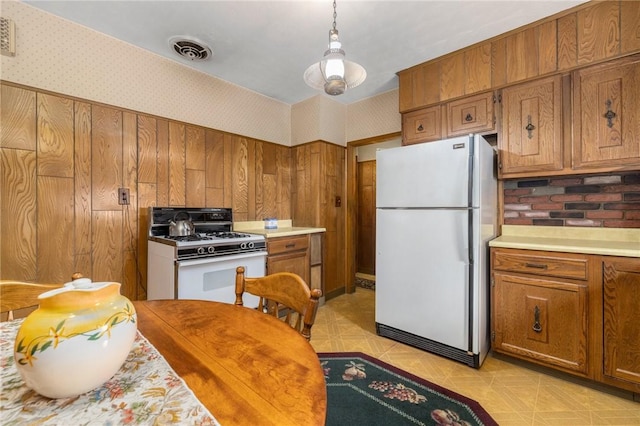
{"points": [[76, 340]]}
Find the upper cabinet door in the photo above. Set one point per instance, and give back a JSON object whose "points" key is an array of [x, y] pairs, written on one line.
{"points": [[473, 114], [419, 86], [423, 125], [606, 117], [531, 139]]}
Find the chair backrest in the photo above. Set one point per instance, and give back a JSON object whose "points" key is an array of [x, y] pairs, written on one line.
{"points": [[18, 296], [284, 295]]}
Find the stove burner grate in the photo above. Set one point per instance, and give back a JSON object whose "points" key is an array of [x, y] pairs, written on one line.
{"points": [[192, 237], [226, 234]]}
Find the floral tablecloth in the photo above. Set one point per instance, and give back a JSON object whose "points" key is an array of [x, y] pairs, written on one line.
{"points": [[145, 391]]}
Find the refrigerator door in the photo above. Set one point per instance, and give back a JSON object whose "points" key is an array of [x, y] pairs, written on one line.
{"points": [[433, 174], [422, 273]]}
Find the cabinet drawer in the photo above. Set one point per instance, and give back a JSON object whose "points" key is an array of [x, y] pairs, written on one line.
{"points": [[541, 320], [547, 265], [287, 244]]}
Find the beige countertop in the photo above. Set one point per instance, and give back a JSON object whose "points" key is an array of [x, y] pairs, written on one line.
{"points": [[603, 241], [285, 229]]}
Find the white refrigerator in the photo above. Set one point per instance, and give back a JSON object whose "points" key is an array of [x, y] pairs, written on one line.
{"points": [[436, 206]]}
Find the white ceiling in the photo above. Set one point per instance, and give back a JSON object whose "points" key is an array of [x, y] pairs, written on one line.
{"points": [[266, 46]]}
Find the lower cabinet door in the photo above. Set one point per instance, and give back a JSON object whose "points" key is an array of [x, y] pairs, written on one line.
{"points": [[622, 319], [541, 320], [296, 262]]}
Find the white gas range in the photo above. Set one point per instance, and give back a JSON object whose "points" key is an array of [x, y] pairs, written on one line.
{"points": [[201, 265]]}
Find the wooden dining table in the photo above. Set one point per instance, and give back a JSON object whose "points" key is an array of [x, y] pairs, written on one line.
{"points": [[246, 367]]}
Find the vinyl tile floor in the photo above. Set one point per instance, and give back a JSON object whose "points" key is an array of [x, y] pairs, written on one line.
{"points": [[513, 392]]}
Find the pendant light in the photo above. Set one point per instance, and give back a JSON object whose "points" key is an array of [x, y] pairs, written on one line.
{"points": [[333, 73]]}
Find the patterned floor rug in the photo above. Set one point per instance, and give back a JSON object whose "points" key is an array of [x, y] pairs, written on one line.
{"points": [[365, 283], [362, 390]]}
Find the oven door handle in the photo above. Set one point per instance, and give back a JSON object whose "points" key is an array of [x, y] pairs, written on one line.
{"points": [[218, 259]]}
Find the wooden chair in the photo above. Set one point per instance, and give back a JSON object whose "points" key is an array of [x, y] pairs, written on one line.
{"points": [[16, 297], [283, 295]]}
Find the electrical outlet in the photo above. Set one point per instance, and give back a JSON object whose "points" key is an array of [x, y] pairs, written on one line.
{"points": [[123, 196]]}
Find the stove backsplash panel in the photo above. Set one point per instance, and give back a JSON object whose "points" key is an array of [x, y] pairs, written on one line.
{"points": [[609, 200], [205, 219]]}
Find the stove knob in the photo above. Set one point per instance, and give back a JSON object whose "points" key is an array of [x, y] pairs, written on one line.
{"points": [[251, 245], [243, 246], [211, 249], [200, 250]]}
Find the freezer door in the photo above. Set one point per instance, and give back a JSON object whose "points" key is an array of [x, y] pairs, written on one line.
{"points": [[422, 273], [434, 174]]}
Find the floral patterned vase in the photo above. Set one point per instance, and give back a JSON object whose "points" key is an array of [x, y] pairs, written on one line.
{"points": [[76, 340]]}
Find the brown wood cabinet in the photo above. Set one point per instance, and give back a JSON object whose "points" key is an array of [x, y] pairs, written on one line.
{"points": [[421, 86], [299, 254], [289, 254], [587, 34], [606, 115], [465, 72], [474, 114], [531, 139], [573, 312], [549, 124], [539, 308], [621, 320], [423, 125]]}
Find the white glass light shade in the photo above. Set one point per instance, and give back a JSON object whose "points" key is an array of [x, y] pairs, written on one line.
{"points": [[333, 63], [354, 75], [333, 73]]}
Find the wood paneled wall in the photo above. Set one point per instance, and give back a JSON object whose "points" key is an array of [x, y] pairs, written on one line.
{"points": [[63, 160], [317, 182]]}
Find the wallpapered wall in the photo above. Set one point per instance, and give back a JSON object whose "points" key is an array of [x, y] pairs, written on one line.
{"points": [[608, 200], [60, 56], [317, 118]]}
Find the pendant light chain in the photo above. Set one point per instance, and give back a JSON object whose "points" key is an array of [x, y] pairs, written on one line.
{"points": [[335, 14]]}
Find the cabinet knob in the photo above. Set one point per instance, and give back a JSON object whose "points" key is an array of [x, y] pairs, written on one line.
{"points": [[536, 320], [609, 115], [529, 127], [420, 128], [469, 117]]}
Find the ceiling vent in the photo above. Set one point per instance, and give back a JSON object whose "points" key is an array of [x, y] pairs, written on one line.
{"points": [[190, 48]]}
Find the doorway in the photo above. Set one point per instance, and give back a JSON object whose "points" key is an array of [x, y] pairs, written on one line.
{"points": [[362, 177]]}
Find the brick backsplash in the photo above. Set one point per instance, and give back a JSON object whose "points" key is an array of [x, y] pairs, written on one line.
{"points": [[611, 201]]}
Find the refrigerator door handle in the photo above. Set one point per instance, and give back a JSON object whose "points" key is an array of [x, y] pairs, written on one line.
{"points": [[470, 184], [470, 233]]}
